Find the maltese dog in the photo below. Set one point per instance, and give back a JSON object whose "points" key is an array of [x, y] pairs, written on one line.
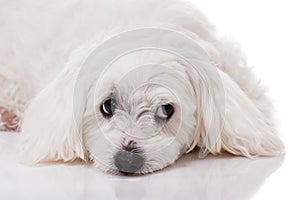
{"points": [[130, 85]]}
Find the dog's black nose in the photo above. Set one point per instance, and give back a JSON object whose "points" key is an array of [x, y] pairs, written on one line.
{"points": [[129, 160]]}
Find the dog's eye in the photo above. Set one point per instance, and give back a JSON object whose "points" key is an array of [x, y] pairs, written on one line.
{"points": [[108, 108], [165, 111]]}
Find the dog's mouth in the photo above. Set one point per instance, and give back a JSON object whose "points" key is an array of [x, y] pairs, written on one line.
{"points": [[118, 173]]}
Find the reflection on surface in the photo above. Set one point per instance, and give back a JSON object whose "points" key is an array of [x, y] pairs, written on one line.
{"points": [[189, 178], [212, 178]]}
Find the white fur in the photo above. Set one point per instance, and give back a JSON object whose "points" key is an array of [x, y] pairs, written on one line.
{"points": [[37, 39]]}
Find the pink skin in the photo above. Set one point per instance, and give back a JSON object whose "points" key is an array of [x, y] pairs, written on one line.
{"points": [[9, 119]]}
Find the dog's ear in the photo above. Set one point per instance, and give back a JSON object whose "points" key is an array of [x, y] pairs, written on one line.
{"points": [[51, 131], [209, 95], [230, 120]]}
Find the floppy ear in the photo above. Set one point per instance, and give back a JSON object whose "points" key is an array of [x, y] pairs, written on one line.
{"points": [[248, 131], [230, 120], [51, 130]]}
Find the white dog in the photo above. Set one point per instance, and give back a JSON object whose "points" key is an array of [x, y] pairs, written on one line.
{"points": [[147, 108]]}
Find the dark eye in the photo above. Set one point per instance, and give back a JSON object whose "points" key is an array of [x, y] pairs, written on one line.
{"points": [[108, 108], [165, 111]]}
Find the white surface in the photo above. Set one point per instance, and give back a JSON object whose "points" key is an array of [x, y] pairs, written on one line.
{"points": [[269, 34], [213, 178]]}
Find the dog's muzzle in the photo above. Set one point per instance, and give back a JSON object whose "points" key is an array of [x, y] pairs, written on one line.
{"points": [[129, 160]]}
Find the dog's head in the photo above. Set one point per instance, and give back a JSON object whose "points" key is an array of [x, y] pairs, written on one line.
{"points": [[142, 117]]}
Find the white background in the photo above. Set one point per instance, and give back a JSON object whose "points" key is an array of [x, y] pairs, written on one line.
{"points": [[269, 33]]}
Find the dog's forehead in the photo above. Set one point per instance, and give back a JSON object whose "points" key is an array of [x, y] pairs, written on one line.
{"points": [[140, 64], [140, 85], [145, 76], [150, 79]]}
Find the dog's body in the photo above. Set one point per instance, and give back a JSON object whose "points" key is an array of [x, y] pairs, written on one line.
{"points": [[37, 39]]}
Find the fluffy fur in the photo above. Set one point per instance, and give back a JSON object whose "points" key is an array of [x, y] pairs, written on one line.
{"points": [[43, 45]]}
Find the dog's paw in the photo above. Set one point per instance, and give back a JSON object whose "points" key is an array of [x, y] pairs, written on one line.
{"points": [[9, 121]]}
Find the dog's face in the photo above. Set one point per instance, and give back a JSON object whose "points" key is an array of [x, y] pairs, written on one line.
{"points": [[140, 119]]}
